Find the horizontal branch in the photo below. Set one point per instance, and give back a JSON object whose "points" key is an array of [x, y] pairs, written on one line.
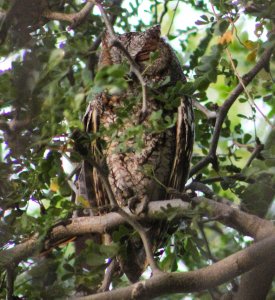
{"points": [[245, 223], [84, 225], [194, 281]]}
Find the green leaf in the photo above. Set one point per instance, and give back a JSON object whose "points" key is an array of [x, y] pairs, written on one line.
{"points": [[69, 268], [94, 259], [247, 137], [221, 27], [109, 250], [56, 57]]}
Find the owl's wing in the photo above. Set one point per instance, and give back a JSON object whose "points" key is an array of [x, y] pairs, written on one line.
{"points": [[92, 115], [184, 145], [89, 179]]}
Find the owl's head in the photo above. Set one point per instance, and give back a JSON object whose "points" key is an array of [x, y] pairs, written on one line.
{"points": [[138, 44]]}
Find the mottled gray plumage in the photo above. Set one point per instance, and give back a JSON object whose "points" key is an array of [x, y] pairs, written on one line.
{"points": [[166, 153]]}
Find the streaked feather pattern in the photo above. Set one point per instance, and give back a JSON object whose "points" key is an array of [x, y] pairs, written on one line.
{"points": [[166, 154]]}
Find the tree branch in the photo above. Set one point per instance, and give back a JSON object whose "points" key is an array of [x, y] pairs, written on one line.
{"points": [[223, 110], [230, 216], [165, 10], [74, 18], [255, 284], [209, 114], [194, 281], [10, 283], [108, 276], [128, 218], [134, 66], [84, 225], [243, 222]]}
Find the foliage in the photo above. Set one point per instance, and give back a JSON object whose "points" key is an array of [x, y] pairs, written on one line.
{"points": [[43, 98]]}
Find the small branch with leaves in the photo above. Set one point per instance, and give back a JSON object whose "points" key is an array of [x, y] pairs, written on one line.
{"points": [[134, 66], [208, 113], [223, 110]]}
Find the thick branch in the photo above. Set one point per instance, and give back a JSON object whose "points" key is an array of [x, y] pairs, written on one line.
{"points": [[74, 18], [194, 281], [247, 78], [84, 225], [256, 283], [245, 223]]}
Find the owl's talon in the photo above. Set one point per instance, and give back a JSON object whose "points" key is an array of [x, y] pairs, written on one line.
{"points": [[138, 205]]}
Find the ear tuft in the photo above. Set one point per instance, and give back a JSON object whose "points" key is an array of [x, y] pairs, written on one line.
{"points": [[154, 31]]}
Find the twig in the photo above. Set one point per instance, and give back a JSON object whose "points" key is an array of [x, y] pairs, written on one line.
{"points": [[96, 43], [239, 177], [237, 73], [204, 237], [156, 11], [244, 87], [209, 114], [135, 224], [223, 110], [173, 17], [165, 10], [134, 66], [257, 150], [135, 70], [209, 252], [199, 186], [108, 276], [106, 20], [10, 283]]}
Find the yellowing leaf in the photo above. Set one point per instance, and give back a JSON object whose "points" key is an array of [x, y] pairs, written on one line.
{"points": [[250, 45], [54, 187], [226, 38], [251, 57], [84, 202]]}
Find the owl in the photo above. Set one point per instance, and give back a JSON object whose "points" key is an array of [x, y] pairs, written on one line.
{"points": [[142, 158]]}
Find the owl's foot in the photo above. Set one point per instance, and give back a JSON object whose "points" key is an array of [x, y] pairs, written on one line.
{"points": [[138, 205]]}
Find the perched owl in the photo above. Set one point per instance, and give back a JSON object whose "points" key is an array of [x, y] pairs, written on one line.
{"points": [[139, 174]]}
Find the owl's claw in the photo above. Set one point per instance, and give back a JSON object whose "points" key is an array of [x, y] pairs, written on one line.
{"points": [[138, 205]]}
